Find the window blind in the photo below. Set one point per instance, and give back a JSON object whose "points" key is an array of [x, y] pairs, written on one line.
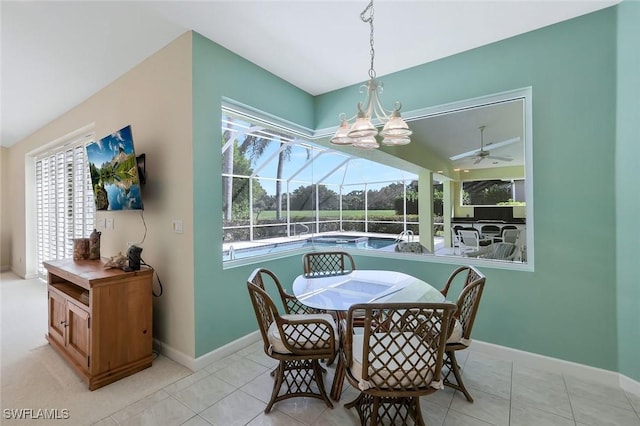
{"points": [[64, 203]]}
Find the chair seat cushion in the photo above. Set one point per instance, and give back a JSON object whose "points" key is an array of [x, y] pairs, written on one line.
{"points": [[456, 335], [403, 372], [310, 339]]}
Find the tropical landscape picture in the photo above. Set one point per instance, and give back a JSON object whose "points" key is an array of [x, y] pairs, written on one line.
{"points": [[114, 172]]}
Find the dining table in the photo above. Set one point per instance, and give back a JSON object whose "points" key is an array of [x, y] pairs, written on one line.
{"points": [[338, 292]]}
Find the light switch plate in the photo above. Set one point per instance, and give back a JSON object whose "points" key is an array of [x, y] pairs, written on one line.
{"points": [[177, 226]]}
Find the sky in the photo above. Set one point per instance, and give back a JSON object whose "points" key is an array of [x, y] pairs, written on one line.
{"points": [[106, 148]]}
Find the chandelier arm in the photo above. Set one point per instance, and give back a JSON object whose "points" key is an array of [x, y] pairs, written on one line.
{"points": [[381, 113]]}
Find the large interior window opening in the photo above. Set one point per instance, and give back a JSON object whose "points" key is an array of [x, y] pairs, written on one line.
{"points": [[281, 191]]}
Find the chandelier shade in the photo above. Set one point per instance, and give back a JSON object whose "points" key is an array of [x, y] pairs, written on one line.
{"points": [[362, 132]]}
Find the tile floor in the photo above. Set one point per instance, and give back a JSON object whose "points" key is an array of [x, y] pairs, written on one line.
{"points": [[235, 391]]}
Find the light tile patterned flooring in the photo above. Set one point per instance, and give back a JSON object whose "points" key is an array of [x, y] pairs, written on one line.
{"points": [[235, 391]]}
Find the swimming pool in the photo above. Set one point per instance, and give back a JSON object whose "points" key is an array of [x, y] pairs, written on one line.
{"points": [[347, 241]]}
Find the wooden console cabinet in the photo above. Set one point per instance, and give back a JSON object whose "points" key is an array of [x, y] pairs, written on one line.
{"points": [[100, 320]]}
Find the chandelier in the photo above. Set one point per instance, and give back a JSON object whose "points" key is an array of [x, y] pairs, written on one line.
{"points": [[362, 133]]}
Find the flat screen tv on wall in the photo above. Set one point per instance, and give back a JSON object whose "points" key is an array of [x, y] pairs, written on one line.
{"points": [[114, 172]]}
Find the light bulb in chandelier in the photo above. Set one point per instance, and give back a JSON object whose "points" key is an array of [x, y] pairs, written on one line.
{"points": [[342, 134], [363, 127], [396, 127], [367, 142]]}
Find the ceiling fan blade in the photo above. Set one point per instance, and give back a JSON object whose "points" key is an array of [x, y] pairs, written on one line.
{"points": [[464, 155], [490, 146], [503, 143]]}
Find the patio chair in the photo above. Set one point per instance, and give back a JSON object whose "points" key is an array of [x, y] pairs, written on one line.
{"points": [[470, 240], [325, 263], [455, 237], [411, 247], [500, 251], [396, 358], [490, 231], [465, 315], [298, 342]]}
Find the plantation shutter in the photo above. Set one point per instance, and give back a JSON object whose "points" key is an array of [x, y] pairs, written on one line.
{"points": [[64, 202]]}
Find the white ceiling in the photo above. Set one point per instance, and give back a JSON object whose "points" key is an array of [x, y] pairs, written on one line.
{"points": [[56, 54]]}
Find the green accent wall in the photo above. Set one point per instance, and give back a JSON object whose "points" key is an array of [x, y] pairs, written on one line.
{"points": [[627, 179], [567, 308], [222, 306]]}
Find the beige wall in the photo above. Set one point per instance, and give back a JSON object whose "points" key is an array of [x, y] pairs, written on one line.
{"points": [[5, 211], [155, 99]]}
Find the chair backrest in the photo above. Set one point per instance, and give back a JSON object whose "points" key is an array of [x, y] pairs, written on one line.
{"points": [[399, 348], [469, 298], [411, 247], [265, 310], [290, 303], [510, 235], [322, 264], [302, 335], [490, 230], [468, 273], [470, 238], [505, 227]]}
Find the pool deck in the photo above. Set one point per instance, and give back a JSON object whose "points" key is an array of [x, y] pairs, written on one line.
{"points": [[439, 247]]}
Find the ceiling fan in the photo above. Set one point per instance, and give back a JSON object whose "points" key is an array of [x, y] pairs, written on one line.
{"points": [[481, 153]]}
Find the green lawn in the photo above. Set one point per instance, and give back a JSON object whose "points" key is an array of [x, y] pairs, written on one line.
{"points": [[327, 214]]}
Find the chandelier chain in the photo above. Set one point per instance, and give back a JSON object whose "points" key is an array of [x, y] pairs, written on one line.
{"points": [[369, 19], [362, 133]]}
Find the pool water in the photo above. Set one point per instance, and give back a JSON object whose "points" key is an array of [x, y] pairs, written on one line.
{"points": [[347, 241]]}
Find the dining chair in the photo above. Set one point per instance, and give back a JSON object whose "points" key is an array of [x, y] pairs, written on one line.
{"points": [[325, 263], [298, 342], [290, 303], [460, 331], [396, 357]]}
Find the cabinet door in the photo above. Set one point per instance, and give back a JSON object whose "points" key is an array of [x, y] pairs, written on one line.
{"points": [[78, 336], [57, 317]]}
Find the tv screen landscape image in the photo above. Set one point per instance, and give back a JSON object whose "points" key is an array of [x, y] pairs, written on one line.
{"points": [[114, 172]]}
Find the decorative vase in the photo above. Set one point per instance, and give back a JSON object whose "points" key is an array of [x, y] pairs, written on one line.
{"points": [[80, 248], [94, 245]]}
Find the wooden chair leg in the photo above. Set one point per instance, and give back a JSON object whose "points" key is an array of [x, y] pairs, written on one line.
{"points": [[416, 413], [318, 371], [455, 368], [279, 373]]}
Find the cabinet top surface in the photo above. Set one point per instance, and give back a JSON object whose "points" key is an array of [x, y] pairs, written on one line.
{"points": [[90, 270]]}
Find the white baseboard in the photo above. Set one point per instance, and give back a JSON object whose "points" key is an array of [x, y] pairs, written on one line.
{"points": [[629, 385], [542, 362], [528, 359], [195, 364]]}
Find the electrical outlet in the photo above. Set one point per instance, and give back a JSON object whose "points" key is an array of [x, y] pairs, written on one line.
{"points": [[109, 223]]}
